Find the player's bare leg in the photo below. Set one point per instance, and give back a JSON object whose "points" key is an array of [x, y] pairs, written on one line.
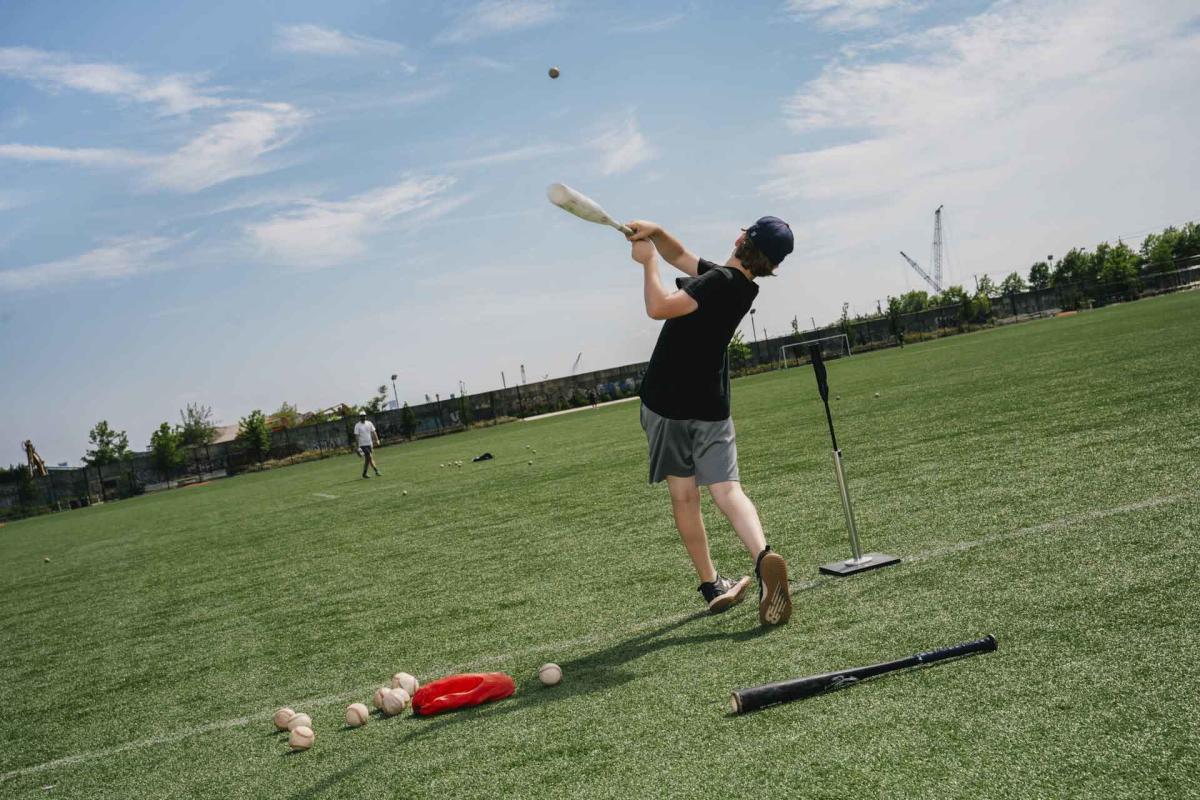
{"points": [[774, 594], [720, 593], [741, 513]]}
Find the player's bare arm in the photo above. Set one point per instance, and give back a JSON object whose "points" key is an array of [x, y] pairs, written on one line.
{"points": [[659, 304], [672, 251]]}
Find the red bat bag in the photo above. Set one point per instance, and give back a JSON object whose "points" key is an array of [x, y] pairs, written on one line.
{"points": [[461, 691]]}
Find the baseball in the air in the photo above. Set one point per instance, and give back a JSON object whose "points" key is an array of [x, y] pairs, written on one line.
{"points": [[550, 674], [377, 700], [554, 73], [299, 721], [394, 702], [282, 717], [301, 738], [357, 715], [402, 680]]}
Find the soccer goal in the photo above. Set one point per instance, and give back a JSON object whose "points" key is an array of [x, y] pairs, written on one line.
{"points": [[831, 347]]}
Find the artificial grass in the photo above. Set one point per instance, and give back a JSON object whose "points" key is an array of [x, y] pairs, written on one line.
{"points": [[1040, 481]]}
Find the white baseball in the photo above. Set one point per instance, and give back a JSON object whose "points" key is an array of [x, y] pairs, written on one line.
{"points": [[550, 674], [357, 715], [299, 721], [377, 700], [282, 717], [395, 701], [301, 738], [402, 680]]}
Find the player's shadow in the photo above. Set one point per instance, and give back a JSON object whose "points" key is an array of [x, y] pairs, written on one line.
{"points": [[595, 672]]}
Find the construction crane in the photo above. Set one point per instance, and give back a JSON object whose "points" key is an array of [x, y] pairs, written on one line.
{"points": [[937, 288], [936, 255]]}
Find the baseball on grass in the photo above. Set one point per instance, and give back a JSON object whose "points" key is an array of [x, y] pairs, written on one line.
{"points": [[282, 717], [301, 738], [402, 680], [299, 721], [357, 715], [550, 674], [554, 73], [377, 700], [395, 701]]}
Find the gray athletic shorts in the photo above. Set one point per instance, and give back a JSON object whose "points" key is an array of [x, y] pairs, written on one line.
{"points": [[687, 447]]}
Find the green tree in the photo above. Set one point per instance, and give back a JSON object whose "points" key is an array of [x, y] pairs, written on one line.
{"points": [[255, 435], [1039, 275], [1013, 284], [197, 427], [408, 422], [165, 449], [1075, 266], [895, 324], [375, 404], [796, 326], [987, 287], [980, 308], [739, 351], [287, 415], [844, 321], [914, 301], [108, 446], [1119, 267], [27, 492]]}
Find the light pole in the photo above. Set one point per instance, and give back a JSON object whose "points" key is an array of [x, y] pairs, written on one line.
{"points": [[395, 394]]}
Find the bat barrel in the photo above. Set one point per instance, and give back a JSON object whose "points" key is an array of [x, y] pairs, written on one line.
{"points": [[743, 701]]}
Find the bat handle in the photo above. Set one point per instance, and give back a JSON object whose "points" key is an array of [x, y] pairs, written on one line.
{"points": [[625, 229]]}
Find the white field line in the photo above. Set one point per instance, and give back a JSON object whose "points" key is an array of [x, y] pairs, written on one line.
{"points": [[326, 496], [581, 408], [591, 639]]}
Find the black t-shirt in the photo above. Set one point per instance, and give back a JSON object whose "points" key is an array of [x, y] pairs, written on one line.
{"points": [[688, 375]]}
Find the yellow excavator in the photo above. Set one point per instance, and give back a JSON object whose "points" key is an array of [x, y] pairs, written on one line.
{"points": [[37, 467]]}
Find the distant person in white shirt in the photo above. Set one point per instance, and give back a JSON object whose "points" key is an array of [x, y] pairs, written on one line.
{"points": [[367, 438]]}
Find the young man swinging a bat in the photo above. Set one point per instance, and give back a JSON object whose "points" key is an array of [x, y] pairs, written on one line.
{"points": [[685, 400]]}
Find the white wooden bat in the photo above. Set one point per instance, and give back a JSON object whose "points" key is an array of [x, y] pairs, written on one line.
{"points": [[581, 206]]}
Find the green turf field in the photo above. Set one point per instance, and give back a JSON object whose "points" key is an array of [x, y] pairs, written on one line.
{"points": [[1040, 480]]}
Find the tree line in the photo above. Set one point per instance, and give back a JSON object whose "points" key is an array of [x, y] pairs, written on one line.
{"points": [[1118, 267]]}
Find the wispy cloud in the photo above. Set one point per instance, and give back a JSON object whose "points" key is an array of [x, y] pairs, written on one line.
{"points": [[483, 62], [309, 39], [622, 147], [1022, 110], [523, 153], [172, 94], [491, 17], [321, 233], [85, 156], [651, 26], [231, 148], [118, 258], [850, 14]]}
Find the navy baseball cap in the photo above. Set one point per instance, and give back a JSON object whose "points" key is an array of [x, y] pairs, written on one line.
{"points": [[773, 237]]}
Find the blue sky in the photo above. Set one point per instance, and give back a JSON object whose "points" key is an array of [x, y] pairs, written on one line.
{"points": [[240, 204]]}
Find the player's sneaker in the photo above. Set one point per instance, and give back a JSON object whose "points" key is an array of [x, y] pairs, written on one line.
{"points": [[722, 594], [774, 594]]}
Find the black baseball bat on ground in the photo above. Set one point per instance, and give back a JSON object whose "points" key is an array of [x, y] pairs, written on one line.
{"points": [[769, 694]]}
